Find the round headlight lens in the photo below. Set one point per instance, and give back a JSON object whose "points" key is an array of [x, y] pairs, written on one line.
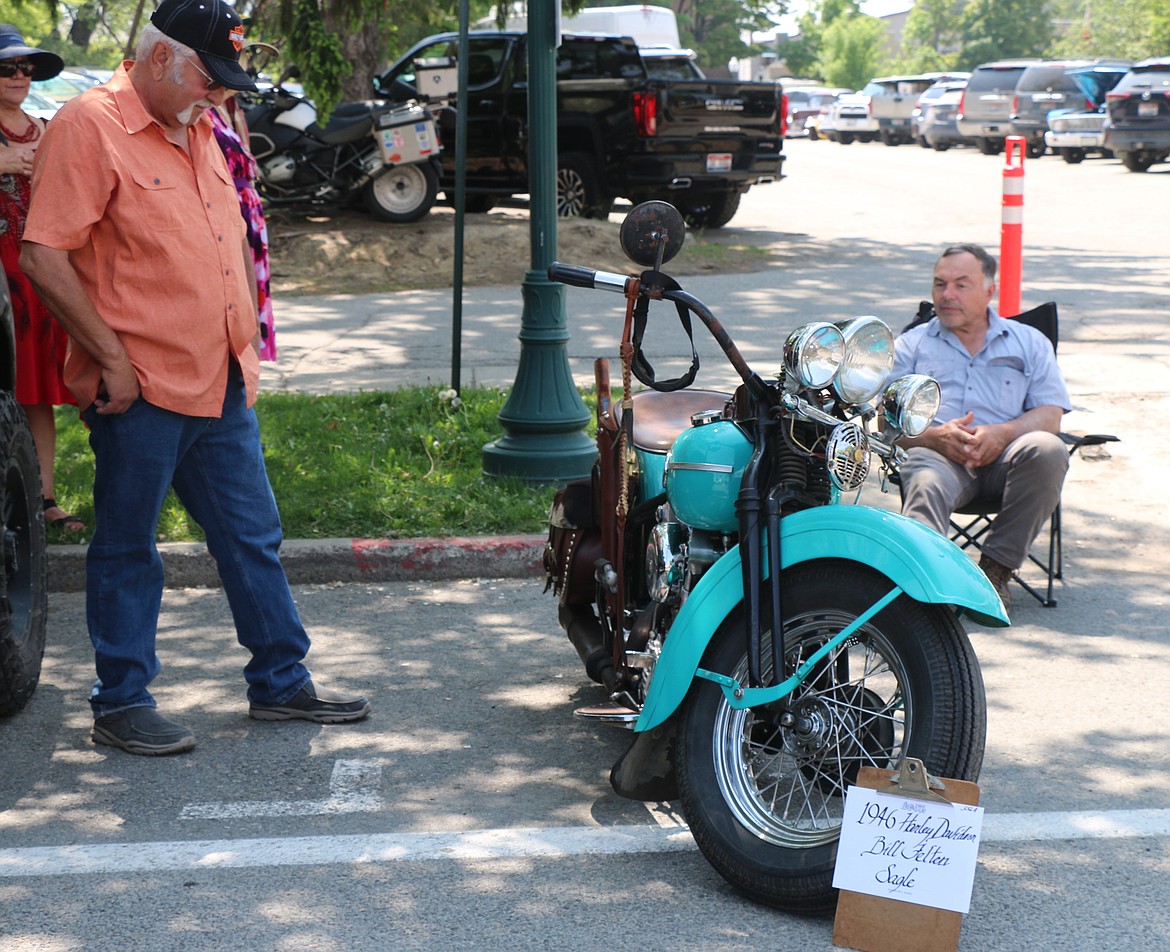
{"points": [[813, 353], [869, 358], [911, 403]]}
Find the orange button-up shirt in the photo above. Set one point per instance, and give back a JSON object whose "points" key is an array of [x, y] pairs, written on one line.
{"points": [[156, 238]]}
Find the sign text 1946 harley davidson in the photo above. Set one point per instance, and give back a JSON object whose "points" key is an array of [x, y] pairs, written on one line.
{"points": [[710, 515]]}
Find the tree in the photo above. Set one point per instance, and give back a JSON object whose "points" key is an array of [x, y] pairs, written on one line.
{"points": [[1004, 29], [934, 34], [802, 55], [1131, 29], [714, 29], [851, 50]]}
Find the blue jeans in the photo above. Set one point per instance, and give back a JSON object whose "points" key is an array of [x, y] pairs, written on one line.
{"points": [[217, 469]]}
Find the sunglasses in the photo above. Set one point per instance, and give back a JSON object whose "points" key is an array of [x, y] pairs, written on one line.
{"points": [[8, 69], [212, 84]]}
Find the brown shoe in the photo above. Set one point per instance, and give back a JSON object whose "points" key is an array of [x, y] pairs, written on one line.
{"points": [[999, 576]]}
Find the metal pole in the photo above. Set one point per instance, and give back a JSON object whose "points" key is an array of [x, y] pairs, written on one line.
{"points": [[544, 416], [460, 199]]}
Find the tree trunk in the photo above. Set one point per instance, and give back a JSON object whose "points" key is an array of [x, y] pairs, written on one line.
{"points": [[360, 46]]}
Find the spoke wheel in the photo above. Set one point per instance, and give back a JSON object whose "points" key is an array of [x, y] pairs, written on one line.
{"points": [[763, 789]]}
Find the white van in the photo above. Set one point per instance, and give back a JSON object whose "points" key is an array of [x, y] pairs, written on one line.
{"points": [[648, 25]]}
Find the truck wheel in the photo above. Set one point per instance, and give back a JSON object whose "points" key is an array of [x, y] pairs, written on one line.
{"points": [[1036, 150], [845, 138], [888, 138], [711, 210], [24, 580], [989, 146], [1136, 161], [941, 146], [1072, 156], [579, 190], [403, 194]]}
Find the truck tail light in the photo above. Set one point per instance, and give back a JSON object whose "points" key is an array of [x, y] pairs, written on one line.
{"points": [[646, 114], [782, 118], [962, 100]]}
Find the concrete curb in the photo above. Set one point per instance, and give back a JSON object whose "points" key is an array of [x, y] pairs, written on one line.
{"points": [[314, 561]]}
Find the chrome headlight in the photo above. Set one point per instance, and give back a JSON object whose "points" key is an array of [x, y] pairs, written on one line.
{"points": [[813, 353], [911, 403], [869, 358]]}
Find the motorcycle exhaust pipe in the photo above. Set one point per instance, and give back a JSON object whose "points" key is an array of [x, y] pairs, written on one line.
{"points": [[584, 631]]}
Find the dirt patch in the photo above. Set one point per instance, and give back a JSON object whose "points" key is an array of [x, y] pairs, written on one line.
{"points": [[325, 252]]}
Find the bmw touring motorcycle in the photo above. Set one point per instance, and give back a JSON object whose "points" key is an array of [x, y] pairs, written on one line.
{"points": [[382, 155], [761, 638]]}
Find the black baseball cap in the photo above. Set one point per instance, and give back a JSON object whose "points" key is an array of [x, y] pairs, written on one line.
{"points": [[213, 30]]}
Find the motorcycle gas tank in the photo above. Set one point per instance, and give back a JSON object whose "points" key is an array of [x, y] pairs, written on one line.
{"points": [[704, 470]]}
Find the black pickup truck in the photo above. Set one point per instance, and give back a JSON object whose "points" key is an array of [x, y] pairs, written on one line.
{"points": [[699, 144]]}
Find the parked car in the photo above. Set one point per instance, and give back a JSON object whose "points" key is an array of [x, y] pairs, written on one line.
{"points": [[1073, 134], [39, 105], [934, 93], [986, 106], [892, 102], [64, 86], [938, 124], [804, 109], [849, 118], [1080, 84], [1137, 117]]}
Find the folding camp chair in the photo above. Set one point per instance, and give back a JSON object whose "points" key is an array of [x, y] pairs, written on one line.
{"points": [[975, 518]]}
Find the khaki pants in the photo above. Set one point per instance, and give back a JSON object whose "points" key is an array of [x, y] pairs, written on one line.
{"points": [[1029, 476]]}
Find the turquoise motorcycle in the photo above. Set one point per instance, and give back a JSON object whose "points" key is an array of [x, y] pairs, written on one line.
{"points": [[761, 637]]}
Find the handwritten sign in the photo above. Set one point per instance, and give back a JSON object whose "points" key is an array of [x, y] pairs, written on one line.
{"points": [[919, 851]]}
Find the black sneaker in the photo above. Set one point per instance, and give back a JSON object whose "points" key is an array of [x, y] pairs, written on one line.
{"points": [[312, 703], [142, 730]]}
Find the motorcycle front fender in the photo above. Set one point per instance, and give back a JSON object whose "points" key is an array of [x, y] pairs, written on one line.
{"points": [[925, 565]]}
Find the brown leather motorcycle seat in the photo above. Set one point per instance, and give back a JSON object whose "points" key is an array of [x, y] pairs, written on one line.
{"points": [[660, 417]]}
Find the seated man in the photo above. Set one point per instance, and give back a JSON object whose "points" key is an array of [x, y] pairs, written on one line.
{"points": [[995, 433]]}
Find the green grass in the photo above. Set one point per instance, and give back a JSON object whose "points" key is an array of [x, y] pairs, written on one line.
{"points": [[396, 464]]}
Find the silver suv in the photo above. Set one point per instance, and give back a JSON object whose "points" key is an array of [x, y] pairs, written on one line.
{"points": [[1045, 87], [986, 107]]}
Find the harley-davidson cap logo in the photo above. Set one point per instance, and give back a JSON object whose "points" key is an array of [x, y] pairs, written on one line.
{"points": [[237, 37]]}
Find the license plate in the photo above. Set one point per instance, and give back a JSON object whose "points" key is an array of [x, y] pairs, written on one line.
{"points": [[899, 122], [1147, 108], [718, 161]]}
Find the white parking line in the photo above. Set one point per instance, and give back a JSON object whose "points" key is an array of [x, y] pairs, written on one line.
{"points": [[122, 858], [353, 788]]}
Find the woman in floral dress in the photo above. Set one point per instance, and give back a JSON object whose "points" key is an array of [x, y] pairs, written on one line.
{"points": [[231, 132]]}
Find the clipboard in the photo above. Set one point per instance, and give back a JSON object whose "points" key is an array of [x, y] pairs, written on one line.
{"points": [[878, 924]]}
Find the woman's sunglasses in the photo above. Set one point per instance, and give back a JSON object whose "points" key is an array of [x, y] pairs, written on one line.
{"points": [[8, 70]]}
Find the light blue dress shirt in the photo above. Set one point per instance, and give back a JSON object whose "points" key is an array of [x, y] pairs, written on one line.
{"points": [[1015, 370]]}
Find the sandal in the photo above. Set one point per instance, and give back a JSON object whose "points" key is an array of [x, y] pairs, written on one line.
{"points": [[66, 522]]}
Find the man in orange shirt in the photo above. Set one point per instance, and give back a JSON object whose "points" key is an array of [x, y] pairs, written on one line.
{"points": [[135, 241]]}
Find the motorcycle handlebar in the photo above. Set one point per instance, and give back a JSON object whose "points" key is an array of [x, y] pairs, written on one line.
{"points": [[580, 277]]}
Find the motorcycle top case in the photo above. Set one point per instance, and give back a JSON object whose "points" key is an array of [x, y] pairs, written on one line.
{"points": [[406, 135], [704, 470]]}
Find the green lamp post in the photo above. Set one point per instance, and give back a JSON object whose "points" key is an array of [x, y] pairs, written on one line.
{"points": [[544, 416]]}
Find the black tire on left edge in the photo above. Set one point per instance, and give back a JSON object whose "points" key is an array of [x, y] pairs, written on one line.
{"points": [[24, 598]]}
